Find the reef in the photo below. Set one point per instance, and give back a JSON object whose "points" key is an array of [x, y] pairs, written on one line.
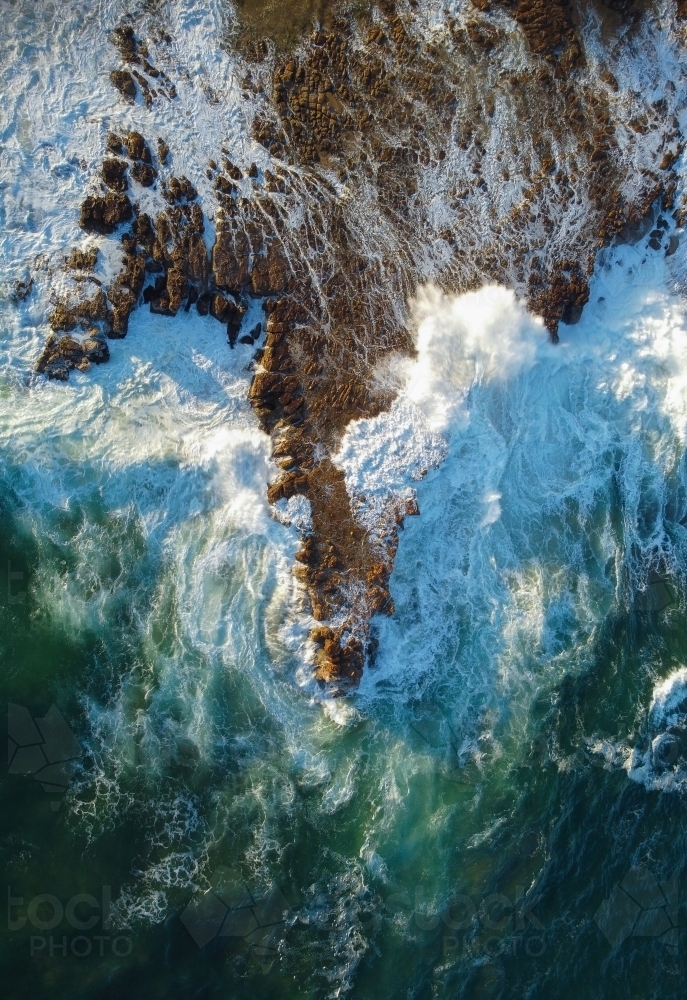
{"points": [[538, 157]]}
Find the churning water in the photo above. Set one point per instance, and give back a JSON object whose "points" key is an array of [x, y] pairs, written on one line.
{"points": [[498, 811]]}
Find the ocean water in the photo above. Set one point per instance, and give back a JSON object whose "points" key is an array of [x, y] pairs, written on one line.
{"points": [[498, 810]]}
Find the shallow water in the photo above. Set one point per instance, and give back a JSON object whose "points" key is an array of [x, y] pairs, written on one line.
{"points": [[468, 823]]}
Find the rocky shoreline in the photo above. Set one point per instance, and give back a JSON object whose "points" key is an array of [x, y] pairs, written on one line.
{"points": [[362, 125]]}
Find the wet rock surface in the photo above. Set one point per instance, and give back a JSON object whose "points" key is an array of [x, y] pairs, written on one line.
{"points": [[22, 290], [364, 123], [62, 354]]}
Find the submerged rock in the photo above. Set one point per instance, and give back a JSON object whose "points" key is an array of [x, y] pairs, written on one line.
{"points": [[22, 290]]}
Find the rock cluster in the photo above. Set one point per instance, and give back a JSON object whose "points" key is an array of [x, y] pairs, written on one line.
{"points": [[151, 80], [547, 25], [83, 310]]}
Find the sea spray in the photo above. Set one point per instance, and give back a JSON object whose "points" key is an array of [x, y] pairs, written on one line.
{"points": [[518, 550]]}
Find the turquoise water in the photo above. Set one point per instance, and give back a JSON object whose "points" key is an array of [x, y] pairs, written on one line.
{"points": [[498, 811]]}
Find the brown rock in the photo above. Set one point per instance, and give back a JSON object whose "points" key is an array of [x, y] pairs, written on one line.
{"points": [[270, 271], [96, 351], [144, 174], [162, 151], [124, 40], [143, 231], [82, 260], [219, 308], [124, 293], [196, 263], [61, 355], [230, 258], [104, 214], [114, 174], [138, 148], [68, 315], [123, 303], [124, 82], [177, 289], [179, 189], [234, 320], [114, 144], [160, 304]]}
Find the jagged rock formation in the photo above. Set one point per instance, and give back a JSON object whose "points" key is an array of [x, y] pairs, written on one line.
{"points": [[61, 354], [490, 151]]}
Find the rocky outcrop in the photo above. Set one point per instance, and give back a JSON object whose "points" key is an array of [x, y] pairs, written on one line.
{"points": [[114, 174], [82, 309], [548, 26], [123, 294], [368, 125]]}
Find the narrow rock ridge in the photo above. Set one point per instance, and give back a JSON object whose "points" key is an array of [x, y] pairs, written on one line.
{"points": [[491, 150]]}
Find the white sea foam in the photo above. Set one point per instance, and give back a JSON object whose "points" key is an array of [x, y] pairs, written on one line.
{"points": [[669, 701], [662, 764], [478, 338], [295, 511], [517, 556]]}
